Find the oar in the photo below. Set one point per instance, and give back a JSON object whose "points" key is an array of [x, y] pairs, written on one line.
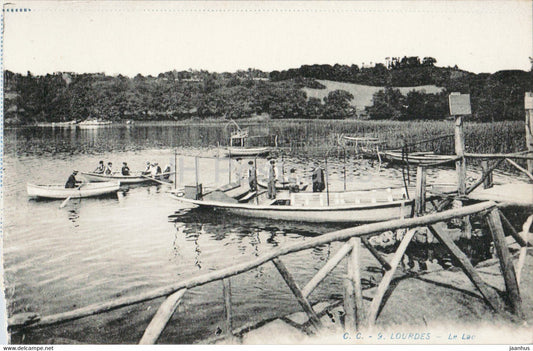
{"points": [[64, 203], [155, 180]]}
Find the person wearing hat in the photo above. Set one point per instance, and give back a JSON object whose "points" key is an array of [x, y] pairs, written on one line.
{"points": [[272, 178], [109, 168], [72, 181], [293, 181], [156, 170], [125, 169], [147, 171], [166, 172], [318, 179], [100, 169]]}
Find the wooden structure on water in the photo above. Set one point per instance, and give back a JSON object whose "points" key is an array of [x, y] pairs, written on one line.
{"points": [[357, 316]]}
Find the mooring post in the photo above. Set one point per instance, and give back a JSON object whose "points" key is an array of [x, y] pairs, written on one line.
{"points": [[528, 104], [487, 175], [353, 293], [175, 168], [226, 290], [420, 196], [506, 262], [460, 165]]}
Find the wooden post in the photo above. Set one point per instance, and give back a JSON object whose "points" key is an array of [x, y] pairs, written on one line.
{"points": [[175, 168], [327, 180], [506, 262], [487, 182], [353, 294], [460, 165], [420, 197], [308, 309], [161, 318], [326, 269], [387, 277], [490, 295], [528, 104], [229, 168], [226, 290]]}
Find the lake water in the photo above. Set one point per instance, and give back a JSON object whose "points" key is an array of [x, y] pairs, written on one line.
{"points": [[95, 250]]}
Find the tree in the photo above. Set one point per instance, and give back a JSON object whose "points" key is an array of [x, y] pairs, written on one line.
{"points": [[337, 105]]}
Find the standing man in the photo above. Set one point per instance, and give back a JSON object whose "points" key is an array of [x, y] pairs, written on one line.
{"points": [[272, 178], [318, 179], [252, 178]]}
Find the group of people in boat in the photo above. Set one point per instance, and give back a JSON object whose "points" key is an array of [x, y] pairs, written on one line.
{"points": [[152, 169], [271, 173]]}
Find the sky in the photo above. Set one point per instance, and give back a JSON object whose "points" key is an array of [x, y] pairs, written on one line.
{"points": [[154, 37]]}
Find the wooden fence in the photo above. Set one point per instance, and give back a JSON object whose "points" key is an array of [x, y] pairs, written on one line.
{"points": [[354, 239]]}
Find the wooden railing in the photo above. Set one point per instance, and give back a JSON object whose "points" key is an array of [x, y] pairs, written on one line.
{"points": [[354, 238]]}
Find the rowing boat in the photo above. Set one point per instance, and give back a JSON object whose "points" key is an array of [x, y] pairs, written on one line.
{"points": [[362, 206], [247, 151], [60, 192], [417, 158], [130, 179]]}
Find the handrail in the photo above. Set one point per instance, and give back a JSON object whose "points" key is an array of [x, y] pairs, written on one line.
{"points": [[340, 235]]}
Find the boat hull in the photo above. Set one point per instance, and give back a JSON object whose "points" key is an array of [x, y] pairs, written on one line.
{"points": [[94, 177], [60, 192], [247, 151], [362, 213], [419, 159]]}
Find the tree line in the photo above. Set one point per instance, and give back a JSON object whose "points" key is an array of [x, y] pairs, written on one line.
{"points": [[178, 95]]}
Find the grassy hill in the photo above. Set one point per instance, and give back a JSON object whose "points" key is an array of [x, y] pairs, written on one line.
{"points": [[362, 93]]}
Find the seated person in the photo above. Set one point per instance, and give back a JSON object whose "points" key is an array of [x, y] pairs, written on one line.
{"points": [[125, 169], [166, 172], [72, 182], [293, 181], [100, 169], [148, 169], [109, 169]]}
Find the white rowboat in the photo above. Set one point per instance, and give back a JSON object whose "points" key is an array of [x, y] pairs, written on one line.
{"points": [[60, 192]]}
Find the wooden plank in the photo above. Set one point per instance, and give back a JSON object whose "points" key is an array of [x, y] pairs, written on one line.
{"points": [[518, 155], [490, 296], [387, 277], [226, 290], [308, 309], [528, 98], [161, 318], [523, 250], [517, 237], [354, 278], [376, 254], [339, 235], [506, 262], [326, 269]]}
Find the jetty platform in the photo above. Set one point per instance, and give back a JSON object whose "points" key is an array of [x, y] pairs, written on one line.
{"points": [[518, 194]]}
